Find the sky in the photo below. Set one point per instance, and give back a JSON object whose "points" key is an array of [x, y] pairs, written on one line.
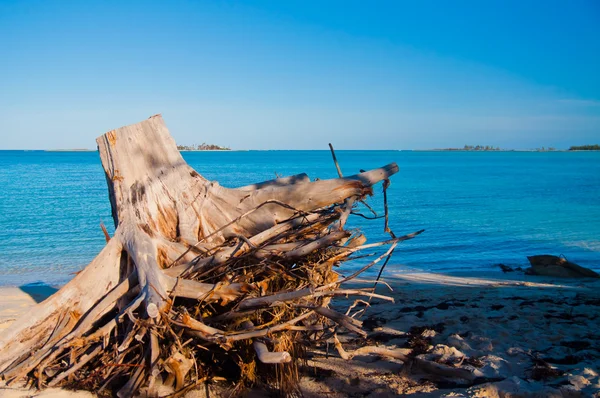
{"points": [[299, 74]]}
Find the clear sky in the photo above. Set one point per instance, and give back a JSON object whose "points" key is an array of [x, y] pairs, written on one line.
{"points": [[299, 74]]}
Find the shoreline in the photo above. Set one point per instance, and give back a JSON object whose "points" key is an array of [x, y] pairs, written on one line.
{"points": [[490, 322], [489, 273], [320, 150]]}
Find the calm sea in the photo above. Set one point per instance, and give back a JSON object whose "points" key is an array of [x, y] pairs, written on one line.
{"points": [[478, 209]]}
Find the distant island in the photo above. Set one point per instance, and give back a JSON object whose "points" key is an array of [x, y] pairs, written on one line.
{"points": [[202, 147], [489, 148], [486, 148], [473, 148], [478, 148], [594, 147]]}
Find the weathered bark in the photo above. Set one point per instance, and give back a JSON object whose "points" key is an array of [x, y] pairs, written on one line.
{"points": [[170, 223]]}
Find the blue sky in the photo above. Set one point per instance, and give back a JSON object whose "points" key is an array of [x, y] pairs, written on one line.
{"points": [[300, 74]]}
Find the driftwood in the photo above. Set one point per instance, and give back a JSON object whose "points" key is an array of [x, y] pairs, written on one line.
{"points": [[196, 279], [413, 364]]}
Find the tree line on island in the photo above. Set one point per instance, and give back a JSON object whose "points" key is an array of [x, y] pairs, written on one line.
{"points": [[480, 148], [496, 148], [594, 147], [202, 147]]}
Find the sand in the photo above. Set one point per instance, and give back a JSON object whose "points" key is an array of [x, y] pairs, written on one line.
{"points": [[15, 301], [498, 325]]}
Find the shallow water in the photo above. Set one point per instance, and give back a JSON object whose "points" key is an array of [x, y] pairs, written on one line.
{"points": [[478, 209]]}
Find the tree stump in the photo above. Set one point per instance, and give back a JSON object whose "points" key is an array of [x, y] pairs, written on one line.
{"points": [[189, 259]]}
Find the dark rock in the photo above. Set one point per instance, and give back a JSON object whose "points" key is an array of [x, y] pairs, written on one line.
{"points": [[548, 265], [505, 268]]}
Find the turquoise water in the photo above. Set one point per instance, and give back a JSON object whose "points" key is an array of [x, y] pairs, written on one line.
{"points": [[478, 209]]}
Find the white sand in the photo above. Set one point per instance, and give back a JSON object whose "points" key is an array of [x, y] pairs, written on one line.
{"points": [[14, 302], [499, 320]]}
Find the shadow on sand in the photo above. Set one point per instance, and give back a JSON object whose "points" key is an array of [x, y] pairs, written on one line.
{"points": [[38, 291]]}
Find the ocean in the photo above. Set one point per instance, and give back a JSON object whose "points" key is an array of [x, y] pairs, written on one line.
{"points": [[478, 209]]}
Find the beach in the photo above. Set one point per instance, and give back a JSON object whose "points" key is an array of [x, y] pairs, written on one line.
{"points": [[494, 324], [300, 199], [525, 336]]}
